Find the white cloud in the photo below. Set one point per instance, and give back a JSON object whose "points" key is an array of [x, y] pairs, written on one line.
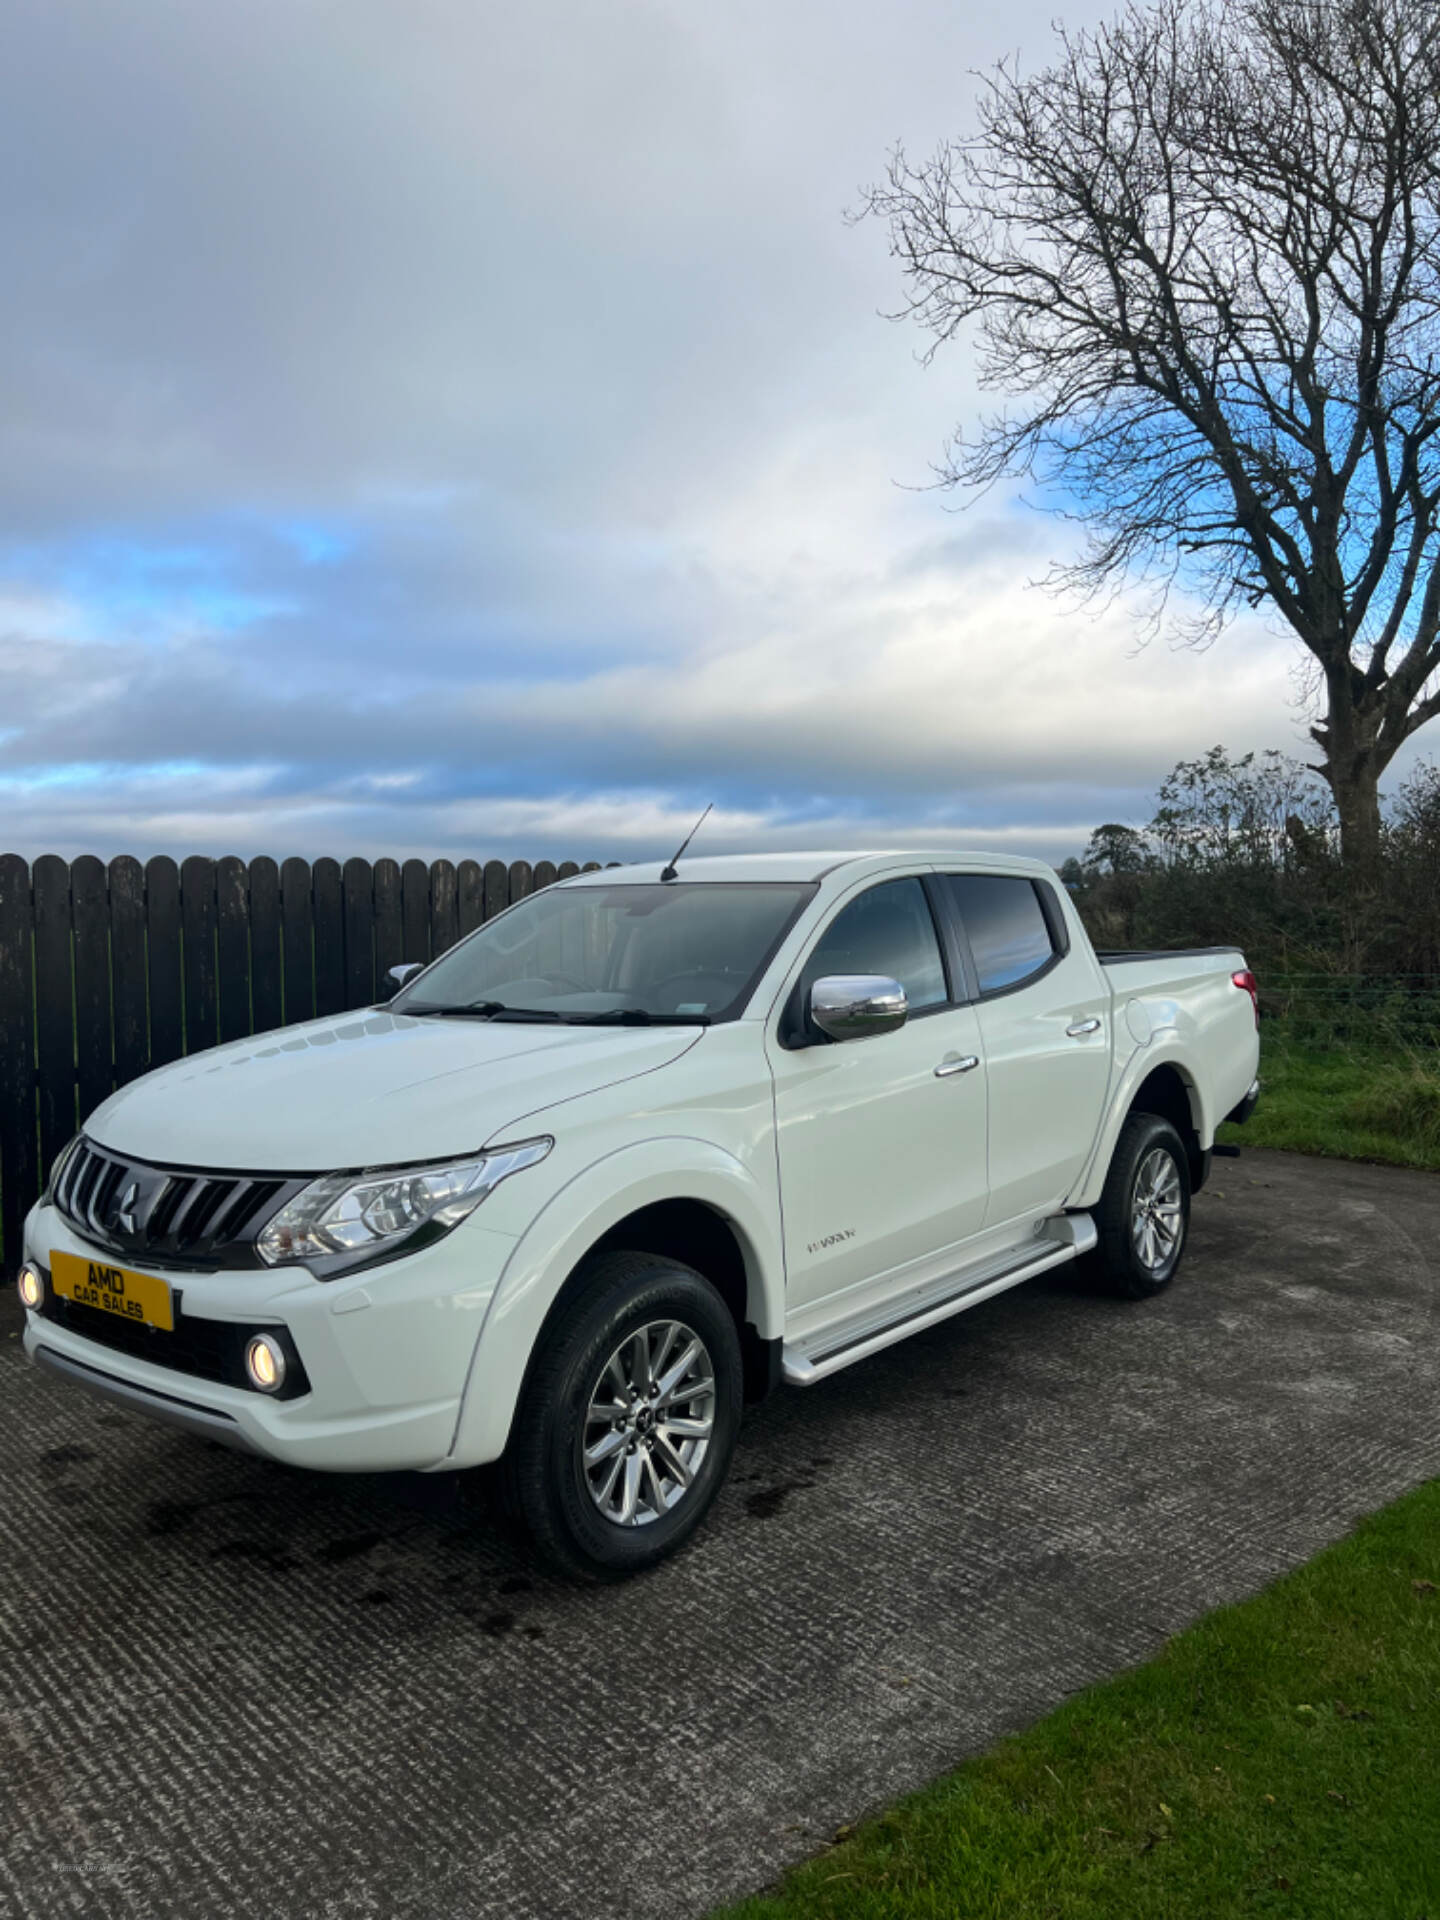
{"points": [[501, 403]]}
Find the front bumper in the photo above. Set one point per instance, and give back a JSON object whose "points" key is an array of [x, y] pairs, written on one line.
{"points": [[385, 1353]]}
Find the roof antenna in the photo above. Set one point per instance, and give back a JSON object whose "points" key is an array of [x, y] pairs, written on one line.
{"points": [[669, 872]]}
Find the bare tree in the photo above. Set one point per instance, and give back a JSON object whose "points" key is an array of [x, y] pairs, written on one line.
{"points": [[1203, 253]]}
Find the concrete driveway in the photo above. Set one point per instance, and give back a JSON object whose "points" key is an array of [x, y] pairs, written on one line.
{"points": [[230, 1689]]}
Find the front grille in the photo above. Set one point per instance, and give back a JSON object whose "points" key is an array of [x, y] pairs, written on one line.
{"points": [[206, 1349], [168, 1216]]}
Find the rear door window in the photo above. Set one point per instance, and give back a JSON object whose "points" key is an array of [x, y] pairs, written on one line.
{"points": [[1006, 925]]}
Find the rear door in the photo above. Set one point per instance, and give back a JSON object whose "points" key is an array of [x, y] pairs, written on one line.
{"points": [[881, 1141], [1044, 1013]]}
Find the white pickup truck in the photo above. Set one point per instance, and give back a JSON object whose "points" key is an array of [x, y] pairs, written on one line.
{"points": [[633, 1153]]}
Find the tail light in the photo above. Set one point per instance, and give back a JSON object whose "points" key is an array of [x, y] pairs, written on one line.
{"points": [[1247, 984]]}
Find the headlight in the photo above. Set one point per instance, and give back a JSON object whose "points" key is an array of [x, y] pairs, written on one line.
{"points": [[346, 1220]]}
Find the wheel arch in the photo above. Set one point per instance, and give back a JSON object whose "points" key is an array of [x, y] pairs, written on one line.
{"points": [[698, 1206], [699, 1235], [1170, 1093], [1166, 1086]]}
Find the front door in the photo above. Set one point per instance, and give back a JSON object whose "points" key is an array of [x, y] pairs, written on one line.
{"points": [[881, 1141]]}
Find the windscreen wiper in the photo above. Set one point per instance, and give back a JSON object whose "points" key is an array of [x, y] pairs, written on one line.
{"points": [[613, 1017], [635, 1017], [480, 1009]]}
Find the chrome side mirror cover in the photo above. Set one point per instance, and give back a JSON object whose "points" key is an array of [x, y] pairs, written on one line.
{"points": [[856, 1006], [395, 977]]}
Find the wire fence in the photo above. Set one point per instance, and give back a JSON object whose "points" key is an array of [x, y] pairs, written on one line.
{"points": [[1354, 1010]]}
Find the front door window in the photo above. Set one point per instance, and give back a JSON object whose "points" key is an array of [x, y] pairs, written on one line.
{"points": [[888, 930]]}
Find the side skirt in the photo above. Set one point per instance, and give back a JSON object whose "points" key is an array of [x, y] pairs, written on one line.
{"points": [[820, 1354]]}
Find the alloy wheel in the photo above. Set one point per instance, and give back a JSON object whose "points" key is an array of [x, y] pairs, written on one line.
{"points": [[1157, 1210], [648, 1423]]}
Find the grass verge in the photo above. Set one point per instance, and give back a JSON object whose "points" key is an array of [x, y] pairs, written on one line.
{"points": [[1280, 1757], [1352, 1102]]}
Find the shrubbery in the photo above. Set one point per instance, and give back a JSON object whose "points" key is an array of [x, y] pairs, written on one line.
{"points": [[1245, 852]]}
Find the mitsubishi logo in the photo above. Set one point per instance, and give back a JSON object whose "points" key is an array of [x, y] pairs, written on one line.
{"points": [[125, 1212]]}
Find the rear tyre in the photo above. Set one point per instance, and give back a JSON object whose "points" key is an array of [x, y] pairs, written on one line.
{"points": [[1143, 1218], [625, 1428]]}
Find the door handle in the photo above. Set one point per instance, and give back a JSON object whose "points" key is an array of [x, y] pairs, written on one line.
{"points": [[960, 1065], [1083, 1026]]}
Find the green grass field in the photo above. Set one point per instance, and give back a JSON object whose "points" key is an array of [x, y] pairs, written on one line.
{"points": [[1280, 1757], [1356, 1102]]}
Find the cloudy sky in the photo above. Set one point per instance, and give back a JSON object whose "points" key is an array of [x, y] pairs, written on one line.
{"points": [[433, 426]]}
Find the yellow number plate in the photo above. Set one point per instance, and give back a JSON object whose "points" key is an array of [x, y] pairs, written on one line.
{"points": [[91, 1283]]}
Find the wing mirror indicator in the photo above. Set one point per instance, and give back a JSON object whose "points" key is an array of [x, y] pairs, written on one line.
{"points": [[857, 1006]]}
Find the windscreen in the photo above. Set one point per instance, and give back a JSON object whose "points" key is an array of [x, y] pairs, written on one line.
{"points": [[679, 951]]}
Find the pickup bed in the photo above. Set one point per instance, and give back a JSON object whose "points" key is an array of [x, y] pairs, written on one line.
{"points": [[640, 1149]]}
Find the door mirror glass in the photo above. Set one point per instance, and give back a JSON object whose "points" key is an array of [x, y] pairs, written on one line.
{"points": [[855, 1006]]}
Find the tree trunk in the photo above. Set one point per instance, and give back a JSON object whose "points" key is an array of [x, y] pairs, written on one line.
{"points": [[1355, 782], [1354, 761]]}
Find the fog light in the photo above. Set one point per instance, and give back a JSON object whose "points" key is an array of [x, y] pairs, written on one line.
{"points": [[31, 1286], [265, 1363]]}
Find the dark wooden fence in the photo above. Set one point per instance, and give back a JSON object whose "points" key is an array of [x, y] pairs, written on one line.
{"points": [[107, 971]]}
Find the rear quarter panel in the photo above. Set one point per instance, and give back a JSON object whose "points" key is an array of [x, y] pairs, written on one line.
{"points": [[1182, 1010]]}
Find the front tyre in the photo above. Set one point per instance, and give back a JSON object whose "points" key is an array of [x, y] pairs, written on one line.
{"points": [[1143, 1217], [625, 1428]]}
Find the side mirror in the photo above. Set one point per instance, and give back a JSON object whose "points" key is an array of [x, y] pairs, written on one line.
{"points": [[396, 977], [855, 1006]]}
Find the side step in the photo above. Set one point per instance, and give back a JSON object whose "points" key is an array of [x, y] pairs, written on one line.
{"points": [[826, 1352]]}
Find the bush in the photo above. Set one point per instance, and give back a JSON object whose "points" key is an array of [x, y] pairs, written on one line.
{"points": [[1245, 852]]}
